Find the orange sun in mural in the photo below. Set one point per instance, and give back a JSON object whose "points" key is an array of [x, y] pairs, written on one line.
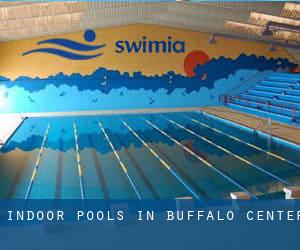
{"points": [[192, 59]]}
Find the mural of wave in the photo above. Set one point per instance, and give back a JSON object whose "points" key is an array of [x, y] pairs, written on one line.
{"points": [[89, 36], [70, 44], [110, 89], [62, 53], [106, 80]]}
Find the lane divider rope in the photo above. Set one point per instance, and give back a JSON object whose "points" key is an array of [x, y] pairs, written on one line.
{"points": [[122, 165], [246, 143], [37, 164], [230, 153], [165, 164], [79, 165], [205, 162]]}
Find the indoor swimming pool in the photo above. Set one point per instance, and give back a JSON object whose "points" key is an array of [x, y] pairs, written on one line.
{"points": [[143, 156]]}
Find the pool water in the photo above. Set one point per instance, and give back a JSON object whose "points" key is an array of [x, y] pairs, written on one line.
{"points": [[147, 156]]}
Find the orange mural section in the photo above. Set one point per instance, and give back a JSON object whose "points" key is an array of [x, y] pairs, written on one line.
{"points": [[196, 50]]}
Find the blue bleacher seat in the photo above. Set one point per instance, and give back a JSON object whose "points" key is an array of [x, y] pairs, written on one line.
{"points": [[279, 84], [285, 91], [276, 96], [289, 98], [282, 79], [286, 75], [275, 102]]}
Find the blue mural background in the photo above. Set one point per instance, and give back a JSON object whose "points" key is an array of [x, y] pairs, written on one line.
{"points": [[111, 89]]}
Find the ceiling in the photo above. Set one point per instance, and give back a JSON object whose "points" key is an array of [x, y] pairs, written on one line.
{"points": [[21, 20]]}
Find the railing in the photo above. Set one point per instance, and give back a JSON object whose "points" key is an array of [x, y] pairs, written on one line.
{"points": [[294, 115], [225, 99], [247, 83], [281, 109]]}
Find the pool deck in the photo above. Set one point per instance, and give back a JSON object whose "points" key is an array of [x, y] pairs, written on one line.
{"points": [[109, 112], [9, 123], [280, 130]]}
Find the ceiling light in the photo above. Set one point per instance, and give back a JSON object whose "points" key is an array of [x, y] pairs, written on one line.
{"points": [[272, 47], [212, 39]]}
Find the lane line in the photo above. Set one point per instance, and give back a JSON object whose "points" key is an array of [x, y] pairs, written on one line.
{"points": [[165, 164], [244, 142], [79, 165], [235, 183], [99, 169], [230, 153], [139, 169], [37, 164], [122, 165]]}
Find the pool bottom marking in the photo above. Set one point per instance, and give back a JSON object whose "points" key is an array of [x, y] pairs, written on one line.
{"points": [[230, 153], [246, 143], [122, 165], [79, 165], [202, 160], [181, 171], [138, 168], [166, 165]]}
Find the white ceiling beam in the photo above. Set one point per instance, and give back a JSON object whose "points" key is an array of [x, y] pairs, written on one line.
{"points": [[41, 30], [16, 24], [40, 9], [287, 35], [244, 28], [263, 19]]}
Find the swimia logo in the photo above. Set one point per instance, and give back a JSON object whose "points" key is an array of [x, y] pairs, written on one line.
{"points": [[150, 46], [80, 51], [74, 50]]}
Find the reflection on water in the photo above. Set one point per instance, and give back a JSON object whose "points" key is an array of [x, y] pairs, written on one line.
{"points": [[167, 162]]}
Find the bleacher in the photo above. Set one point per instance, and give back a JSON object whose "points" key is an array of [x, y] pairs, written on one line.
{"points": [[277, 96]]}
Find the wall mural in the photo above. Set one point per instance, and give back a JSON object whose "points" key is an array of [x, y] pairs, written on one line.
{"points": [[89, 36], [134, 66]]}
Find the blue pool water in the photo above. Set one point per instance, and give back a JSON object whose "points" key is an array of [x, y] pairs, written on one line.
{"points": [[142, 156]]}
